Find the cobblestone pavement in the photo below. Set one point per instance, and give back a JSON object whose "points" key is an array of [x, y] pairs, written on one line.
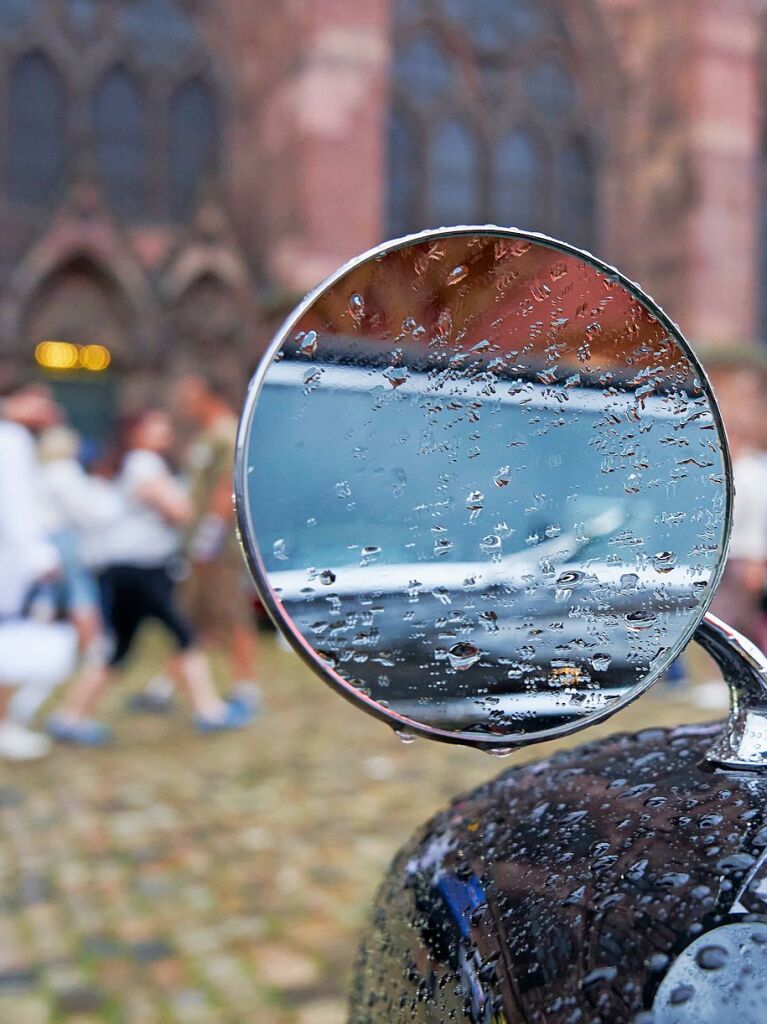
{"points": [[175, 878]]}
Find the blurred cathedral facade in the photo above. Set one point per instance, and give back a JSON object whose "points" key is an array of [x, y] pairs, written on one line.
{"points": [[174, 173]]}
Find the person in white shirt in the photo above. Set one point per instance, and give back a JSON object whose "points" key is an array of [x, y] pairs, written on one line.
{"points": [[77, 511], [35, 656], [138, 584]]}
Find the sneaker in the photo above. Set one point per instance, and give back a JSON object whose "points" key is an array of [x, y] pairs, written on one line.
{"points": [[83, 732], [247, 692], [17, 743], [237, 714], [155, 699]]}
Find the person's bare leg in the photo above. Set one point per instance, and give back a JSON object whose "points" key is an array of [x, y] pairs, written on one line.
{"points": [[87, 622], [86, 691], [243, 653], [191, 670]]}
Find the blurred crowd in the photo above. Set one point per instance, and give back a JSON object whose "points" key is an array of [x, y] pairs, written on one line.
{"points": [[90, 551]]}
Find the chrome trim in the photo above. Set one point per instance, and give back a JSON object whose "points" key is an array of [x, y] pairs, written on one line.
{"points": [[258, 571], [743, 742]]}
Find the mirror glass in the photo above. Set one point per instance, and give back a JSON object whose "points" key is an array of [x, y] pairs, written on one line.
{"points": [[483, 484]]}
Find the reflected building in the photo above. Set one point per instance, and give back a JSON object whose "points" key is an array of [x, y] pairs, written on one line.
{"points": [[174, 173]]}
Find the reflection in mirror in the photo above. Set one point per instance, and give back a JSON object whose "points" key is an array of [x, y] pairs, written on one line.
{"points": [[485, 481]]}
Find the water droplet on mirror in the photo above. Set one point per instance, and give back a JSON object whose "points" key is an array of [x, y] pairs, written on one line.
{"points": [[356, 306], [490, 619], [457, 274], [279, 550], [404, 735], [308, 344], [396, 376], [475, 502], [664, 561], [490, 543], [601, 662], [640, 620], [327, 577], [502, 477], [463, 655], [570, 578]]}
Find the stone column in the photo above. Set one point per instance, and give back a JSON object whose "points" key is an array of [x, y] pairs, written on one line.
{"points": [[725, 129], [339, 111]]}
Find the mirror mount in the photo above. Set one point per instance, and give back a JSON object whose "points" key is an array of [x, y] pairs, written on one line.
{"points": [[742, 745]]}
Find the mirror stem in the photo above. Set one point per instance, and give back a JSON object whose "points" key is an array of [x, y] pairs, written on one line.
{"points": [[743, 743]]}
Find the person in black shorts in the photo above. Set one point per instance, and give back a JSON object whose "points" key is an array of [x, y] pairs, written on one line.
{"points": [[136, 584]]}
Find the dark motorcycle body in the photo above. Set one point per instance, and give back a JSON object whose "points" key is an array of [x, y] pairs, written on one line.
{"points": [[565, 892]]}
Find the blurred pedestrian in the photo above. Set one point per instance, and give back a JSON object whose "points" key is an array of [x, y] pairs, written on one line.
{"points": [[739, 389], [36, 653], [137, 584], [217, 594], [76, 508]]}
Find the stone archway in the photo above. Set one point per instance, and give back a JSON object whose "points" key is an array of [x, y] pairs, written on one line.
{"points": [[80, 303], [206, 323]]}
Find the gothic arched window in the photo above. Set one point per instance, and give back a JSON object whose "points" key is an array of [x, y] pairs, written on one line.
{"points": [[403, 174], [574, 182], [517, 176], [207, 320], [161, 30], [147, 126], [120, 141], [37, 131], [452, 175], [192, 145], [13, 13], [489, 119]]}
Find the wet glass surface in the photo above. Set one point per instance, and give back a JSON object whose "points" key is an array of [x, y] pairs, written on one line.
{"points": [[486, 484]]}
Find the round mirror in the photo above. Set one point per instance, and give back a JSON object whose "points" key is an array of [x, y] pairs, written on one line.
{"points": [[483, 486]]}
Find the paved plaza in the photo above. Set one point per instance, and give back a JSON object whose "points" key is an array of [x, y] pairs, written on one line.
{"points": [[175, 878]]}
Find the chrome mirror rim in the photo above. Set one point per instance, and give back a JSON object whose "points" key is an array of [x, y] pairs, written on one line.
{"points": [[271, 602]]}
